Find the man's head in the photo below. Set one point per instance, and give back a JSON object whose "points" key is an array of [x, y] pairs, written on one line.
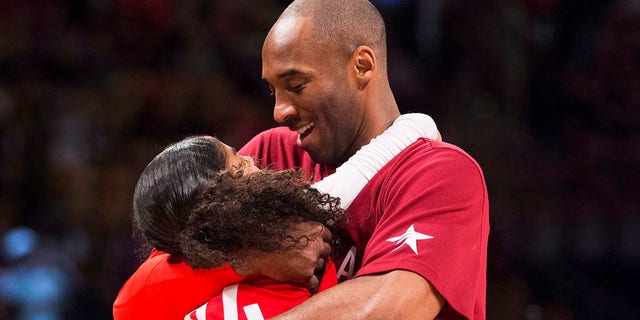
{"points": [[325, 61]]}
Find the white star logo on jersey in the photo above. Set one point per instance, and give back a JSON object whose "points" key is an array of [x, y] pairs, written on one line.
{"points": [[410, 238]]}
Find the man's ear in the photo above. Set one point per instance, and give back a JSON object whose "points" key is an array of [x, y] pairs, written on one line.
{"points": [[364, 64]]}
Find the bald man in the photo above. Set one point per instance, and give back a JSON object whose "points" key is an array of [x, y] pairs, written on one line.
{"points": [[416, 235]]}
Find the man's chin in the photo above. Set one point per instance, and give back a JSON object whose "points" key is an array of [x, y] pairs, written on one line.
{"points": [[318, 157]]}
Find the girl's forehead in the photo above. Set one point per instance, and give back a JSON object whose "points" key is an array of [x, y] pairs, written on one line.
{"points": [[228, 150]]}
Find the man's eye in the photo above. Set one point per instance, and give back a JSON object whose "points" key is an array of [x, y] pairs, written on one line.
{"points": [[297, 88], [271, 90]]}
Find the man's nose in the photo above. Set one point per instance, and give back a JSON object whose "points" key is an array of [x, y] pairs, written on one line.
{"points": [[284, 110]]}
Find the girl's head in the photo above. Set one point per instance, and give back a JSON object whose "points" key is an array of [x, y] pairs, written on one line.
{"points": [[258, 221], [200, 201], [167, 188]]}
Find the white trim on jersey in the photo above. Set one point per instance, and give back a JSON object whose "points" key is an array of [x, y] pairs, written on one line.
{"points": [[253, 312], [230, 302], [199, 314], [351, 177], [230, 305]]}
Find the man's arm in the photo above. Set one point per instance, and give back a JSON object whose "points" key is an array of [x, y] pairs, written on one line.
{"points": [[398, 294], [445, 212]]}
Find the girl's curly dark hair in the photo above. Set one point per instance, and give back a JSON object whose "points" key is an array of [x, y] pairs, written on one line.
{"points": [[257, 211]]}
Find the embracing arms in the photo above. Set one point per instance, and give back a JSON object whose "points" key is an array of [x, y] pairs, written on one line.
{"points": [[398, 294]]}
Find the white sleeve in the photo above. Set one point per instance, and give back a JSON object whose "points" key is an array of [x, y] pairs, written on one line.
{"points": [[354, 174]]}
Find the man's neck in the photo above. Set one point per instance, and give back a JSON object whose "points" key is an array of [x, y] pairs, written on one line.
{"points": [[371, 128]]}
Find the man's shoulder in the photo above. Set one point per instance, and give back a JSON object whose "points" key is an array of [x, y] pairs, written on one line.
{"points": [[425, 154], [428, 148], [278, 135]]}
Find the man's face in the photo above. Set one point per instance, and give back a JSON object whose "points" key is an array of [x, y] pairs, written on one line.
{"points": [[313, 94]]}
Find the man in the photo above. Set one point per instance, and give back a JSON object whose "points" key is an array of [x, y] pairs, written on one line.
{"points": [[416, 235], [166, 287]]}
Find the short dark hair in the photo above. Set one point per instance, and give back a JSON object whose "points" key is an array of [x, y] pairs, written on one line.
{"points": [[346, 24], [168, 186], [256, 212]]}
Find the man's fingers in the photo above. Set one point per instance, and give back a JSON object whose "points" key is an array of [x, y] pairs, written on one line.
{"points": [[313, 284], [326, 234]]}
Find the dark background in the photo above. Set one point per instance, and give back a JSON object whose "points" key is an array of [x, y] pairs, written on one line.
{"points": [[545, 94]]}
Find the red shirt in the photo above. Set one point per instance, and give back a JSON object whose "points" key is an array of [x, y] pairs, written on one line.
{"points": [[163, 290], [259, 298], [277, 149], [426, 211]]}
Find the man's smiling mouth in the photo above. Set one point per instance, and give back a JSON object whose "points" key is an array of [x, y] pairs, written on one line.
{"points": [[305, 131]]}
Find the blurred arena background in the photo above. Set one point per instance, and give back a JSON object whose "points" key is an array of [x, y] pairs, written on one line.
{"points": [[545, 94]]}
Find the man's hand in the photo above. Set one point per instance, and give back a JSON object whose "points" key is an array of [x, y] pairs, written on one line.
{"points": [[303, 260]]}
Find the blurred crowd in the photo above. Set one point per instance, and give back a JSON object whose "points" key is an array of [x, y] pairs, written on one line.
{"points": [[545, 94]]}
